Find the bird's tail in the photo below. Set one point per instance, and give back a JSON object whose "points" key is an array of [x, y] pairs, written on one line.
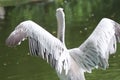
{"points": [[74, 73]]}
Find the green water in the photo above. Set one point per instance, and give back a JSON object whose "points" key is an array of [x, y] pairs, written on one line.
{"points": [[81, 19]]}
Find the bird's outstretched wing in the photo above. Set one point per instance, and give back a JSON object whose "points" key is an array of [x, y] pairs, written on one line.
{"points": [[95, 51], [41, 42]]}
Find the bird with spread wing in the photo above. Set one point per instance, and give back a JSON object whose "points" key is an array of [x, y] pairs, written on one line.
{"points": [[70, 64]]}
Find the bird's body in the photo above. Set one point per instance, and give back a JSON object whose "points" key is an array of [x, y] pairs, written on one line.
{"points": [[70, 64]]}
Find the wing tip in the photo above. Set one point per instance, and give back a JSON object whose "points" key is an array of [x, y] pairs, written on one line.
{"points": [[11, 42], [117, 31], [15, 38], [106, 19], [116, 27]]}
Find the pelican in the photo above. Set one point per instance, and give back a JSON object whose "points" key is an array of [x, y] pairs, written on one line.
{"points": [[70, 64]]}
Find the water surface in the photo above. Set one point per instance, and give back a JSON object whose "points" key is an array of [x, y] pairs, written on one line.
{"points": [[81, 19]]}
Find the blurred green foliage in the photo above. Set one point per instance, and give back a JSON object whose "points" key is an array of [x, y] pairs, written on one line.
{"points": [[75, 10], [12, 2]]}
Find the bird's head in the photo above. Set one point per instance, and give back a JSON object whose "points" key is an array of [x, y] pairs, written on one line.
{"points": [[59, 13]]}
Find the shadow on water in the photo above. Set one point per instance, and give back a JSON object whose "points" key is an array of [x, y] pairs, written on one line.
{"points": [[81, 18]]}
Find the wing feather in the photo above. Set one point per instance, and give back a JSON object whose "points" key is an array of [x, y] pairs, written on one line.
{"points": [[41, 43], [95, 51]]}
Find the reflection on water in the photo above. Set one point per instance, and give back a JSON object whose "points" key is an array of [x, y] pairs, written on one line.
{"points": [[81, 19]]}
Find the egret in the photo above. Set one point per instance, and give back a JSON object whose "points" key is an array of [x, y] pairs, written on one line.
{"points": [[70, 64]]}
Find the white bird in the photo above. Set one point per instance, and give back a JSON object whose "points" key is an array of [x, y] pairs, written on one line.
{"points": [[70, 64]]}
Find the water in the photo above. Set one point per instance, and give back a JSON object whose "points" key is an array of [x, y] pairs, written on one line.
{"points": [[81, 19]]}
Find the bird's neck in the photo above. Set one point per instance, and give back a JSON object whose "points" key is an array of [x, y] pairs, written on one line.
{"points": [[61, 29]]}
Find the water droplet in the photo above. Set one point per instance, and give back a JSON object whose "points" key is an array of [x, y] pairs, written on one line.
{"points": [[54, 32], [4, 64], [17, 63], [28, 54], [80, 31], [92, 14], [85, 28]]}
